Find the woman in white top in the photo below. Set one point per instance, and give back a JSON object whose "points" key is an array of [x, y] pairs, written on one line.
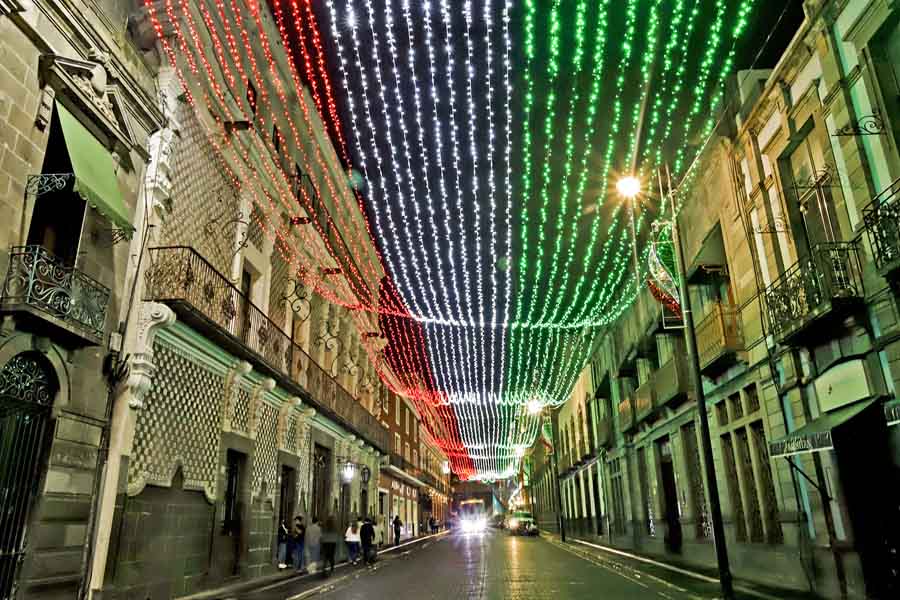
{"points": [[351, 536]]}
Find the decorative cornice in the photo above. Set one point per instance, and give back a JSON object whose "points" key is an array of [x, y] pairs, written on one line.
{"points": [[140, 367], [256, 403]]}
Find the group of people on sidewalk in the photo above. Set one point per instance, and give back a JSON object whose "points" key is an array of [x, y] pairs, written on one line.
{"points": [[304, 548]]}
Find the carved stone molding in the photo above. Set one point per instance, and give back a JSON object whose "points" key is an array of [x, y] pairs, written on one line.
{"points": [[284, 421], [229, 392], [153, 317], [256, 403], [82, 85]]}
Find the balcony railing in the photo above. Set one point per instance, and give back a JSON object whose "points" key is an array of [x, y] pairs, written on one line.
{"points": [[626, 414], [882, 220], [604, 433], [181, 277], [827, 279], [644, 400], [719, 335], [672, 380], [39, 283]]}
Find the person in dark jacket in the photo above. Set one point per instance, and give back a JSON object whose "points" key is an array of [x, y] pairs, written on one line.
{"points": [[330, 537], [367, 537], [398, 526]]}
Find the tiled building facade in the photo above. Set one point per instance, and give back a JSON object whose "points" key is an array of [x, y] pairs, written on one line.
{"points": [[790, 238], [77, 106], [180, 389]]}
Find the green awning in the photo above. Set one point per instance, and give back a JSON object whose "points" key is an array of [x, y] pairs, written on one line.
{"points": [[815, 436], [95, 171]]}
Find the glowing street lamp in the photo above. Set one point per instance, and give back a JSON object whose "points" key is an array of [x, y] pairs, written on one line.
{"points": [[629, 187], [534, 407], [348, 471]]}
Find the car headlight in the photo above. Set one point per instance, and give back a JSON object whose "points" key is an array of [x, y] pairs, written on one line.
{"points": [[513, 523]]}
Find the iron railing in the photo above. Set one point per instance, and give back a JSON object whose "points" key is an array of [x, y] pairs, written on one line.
{"points": [[882, 221], [38, 280], [672, 380], [626, 414], [812, 286], [718, 334], [181, 277], [644, 400]]}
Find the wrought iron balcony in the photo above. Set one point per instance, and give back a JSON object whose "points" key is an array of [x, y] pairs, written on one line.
{"points": [[604, 433], [38, 283], [719, 337], [882, 221], [181, 277], [820, 285], [672, 380], [645, 403], [626, 414]]}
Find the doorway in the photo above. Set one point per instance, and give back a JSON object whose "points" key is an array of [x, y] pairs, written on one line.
{"points": [[670, 496], [321, 481], [27, 389], [287, 497], [235, 464]]}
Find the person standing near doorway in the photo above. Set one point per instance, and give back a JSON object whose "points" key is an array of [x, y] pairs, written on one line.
{"points": [[367, 537], [299, 537], [352, 537], [398, 527], [329, 545], [313, 543]]}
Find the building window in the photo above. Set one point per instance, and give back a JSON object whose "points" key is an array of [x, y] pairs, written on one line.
{"points": [[406, 453], [398, 446], [397, 410], [407, 420], [415, 458]]}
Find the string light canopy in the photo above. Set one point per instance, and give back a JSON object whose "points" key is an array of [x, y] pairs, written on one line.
{"points": [[494, 152]]}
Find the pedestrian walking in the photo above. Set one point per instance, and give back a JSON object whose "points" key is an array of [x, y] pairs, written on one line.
{"points": [[379, 530], [329, 545], [299, 538], [313, 544], [367, 537], [432, 525], [284, 545], [352, 538], [398, 526]]}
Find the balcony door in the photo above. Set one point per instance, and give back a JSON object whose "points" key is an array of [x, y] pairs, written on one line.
{"points": [[816, 192], [58, 214]]}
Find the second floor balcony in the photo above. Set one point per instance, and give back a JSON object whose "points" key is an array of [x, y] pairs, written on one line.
{"points": [[204, 298], [40, 285], [826, 283], [882, 221], [644, 398], [604, 433], [626, 414], [719, 338]]}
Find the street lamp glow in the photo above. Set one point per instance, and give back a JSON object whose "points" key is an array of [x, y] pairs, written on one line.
{"points": [[348, 472], [535, 407], [629, 187]]}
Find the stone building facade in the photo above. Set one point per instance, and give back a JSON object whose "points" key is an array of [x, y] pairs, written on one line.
{"points": [[77, 105], [790, 238]]}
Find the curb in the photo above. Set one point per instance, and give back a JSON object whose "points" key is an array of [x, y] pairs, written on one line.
{"points": [[279, 579]]}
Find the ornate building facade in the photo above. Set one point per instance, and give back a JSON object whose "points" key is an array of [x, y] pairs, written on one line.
{"points": [[790, 240]]}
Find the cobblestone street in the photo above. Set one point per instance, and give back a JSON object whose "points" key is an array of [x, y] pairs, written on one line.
{"points": [[496, 566]]}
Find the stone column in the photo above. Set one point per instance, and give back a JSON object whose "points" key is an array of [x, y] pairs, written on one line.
{"points": [[128, 398]]}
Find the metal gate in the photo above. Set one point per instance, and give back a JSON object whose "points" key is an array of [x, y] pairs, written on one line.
{"points": [[27, 389]]}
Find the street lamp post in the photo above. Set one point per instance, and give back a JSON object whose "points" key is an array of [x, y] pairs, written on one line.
{"points": [[629, 190]]}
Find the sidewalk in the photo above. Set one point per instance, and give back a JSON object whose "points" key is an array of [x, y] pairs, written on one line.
{"points": [[691, 577], [278, 579]]}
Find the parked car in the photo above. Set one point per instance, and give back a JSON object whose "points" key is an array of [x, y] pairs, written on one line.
{"points": [[497, 522], [521, 522]]}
